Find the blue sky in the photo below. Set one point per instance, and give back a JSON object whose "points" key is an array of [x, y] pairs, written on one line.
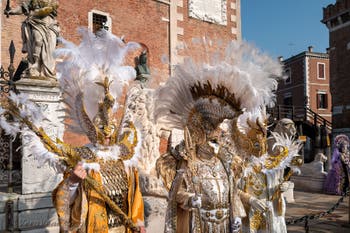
{"points": [[285, 27]]}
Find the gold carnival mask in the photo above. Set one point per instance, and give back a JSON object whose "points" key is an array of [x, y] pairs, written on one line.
{"points": [[104, 122], [254, 140], [257, 137]]}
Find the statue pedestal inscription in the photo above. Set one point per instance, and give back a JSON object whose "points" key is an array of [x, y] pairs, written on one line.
{"points": [[32, 209]]}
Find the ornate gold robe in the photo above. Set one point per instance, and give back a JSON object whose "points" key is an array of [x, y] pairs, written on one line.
{"points": [[89, 213], [209, 180]]}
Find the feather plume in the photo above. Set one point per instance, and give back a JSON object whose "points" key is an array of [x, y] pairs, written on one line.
{"points": [[80, 66], [289, 143], [10, 128], [248, 74], [40, 152]]}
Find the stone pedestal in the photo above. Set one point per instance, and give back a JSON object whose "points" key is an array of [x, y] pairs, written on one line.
{"points": [[32, 213], [307, 183], [155, 200], [46, 94], [33, 210], [312, 175]]}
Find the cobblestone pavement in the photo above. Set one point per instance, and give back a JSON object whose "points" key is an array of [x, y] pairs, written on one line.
{"points": [[311, 203]]}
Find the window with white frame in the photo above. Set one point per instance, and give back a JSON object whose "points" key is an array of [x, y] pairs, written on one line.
{"points": [[322, 99], [98, 19], [321, 70], [288, 75]]}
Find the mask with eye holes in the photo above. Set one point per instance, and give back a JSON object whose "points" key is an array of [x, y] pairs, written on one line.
{"points": [[250, 132]]}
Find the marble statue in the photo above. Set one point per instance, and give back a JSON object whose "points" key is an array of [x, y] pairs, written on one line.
{"points": [[39, 35]]}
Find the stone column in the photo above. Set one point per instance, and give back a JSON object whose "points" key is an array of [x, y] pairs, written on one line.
{"points": [[138, 108], [46, 94], [32, 208]]}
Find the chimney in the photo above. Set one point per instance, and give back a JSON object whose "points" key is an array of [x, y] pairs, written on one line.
{"points": [[310, 49], [280, 58]]}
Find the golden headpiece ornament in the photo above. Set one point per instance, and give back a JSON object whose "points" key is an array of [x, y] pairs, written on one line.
{"points": [[104, 121], [250, 131], [93, 76]]}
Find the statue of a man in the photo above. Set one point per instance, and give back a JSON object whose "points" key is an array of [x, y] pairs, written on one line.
{"points": [[142, 70], [39, 35]]}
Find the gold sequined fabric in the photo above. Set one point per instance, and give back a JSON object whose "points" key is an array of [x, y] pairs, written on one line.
{"points": [[115, 182]]}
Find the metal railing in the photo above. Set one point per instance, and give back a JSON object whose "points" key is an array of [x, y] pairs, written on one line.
{"points": [[299, 113]]}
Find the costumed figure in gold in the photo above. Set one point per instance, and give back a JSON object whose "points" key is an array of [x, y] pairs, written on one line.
{"points": [[264, 180], [100, 190], [204, 100]]}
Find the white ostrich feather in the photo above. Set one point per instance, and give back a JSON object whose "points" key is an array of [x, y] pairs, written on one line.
{"points": [[91, 166], [41, 154], [105, 152], [289, 143], [80, 66], [27, 108], [246, 72], [2, 111], [10, 128]]}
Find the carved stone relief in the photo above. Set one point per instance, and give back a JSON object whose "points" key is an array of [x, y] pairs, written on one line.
{"points": [[213, 11]]}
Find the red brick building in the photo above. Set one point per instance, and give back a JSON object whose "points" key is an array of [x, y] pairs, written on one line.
{"points": [[161, 26], [307, 83], [304, 96], [337, 19]]}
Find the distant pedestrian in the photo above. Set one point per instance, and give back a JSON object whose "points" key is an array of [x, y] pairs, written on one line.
{"points": [[338, 177]]}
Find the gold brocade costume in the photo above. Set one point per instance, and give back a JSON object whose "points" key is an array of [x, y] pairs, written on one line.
{"points": [[264, 176], [208, 179], [264, 186], [205, 99], [93, 77], [89, 213]]}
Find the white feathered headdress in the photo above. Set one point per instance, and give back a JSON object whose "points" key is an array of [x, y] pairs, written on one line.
{"points": [[98, 59], [239, 79]]}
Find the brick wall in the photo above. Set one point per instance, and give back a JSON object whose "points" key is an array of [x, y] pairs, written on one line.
{"points": [[296, 87], [10, 30], [304, 92], [335, 17], [148, 22], [319, 85]]}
